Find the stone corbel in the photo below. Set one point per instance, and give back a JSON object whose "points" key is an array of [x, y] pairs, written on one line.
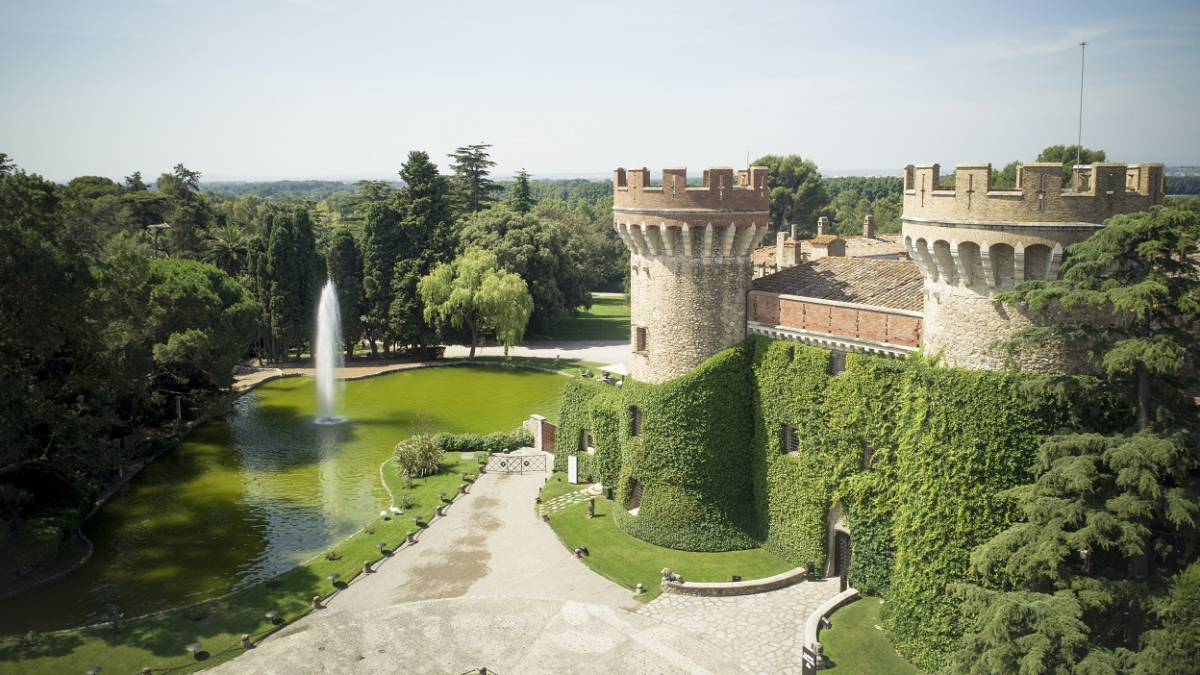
{"points": [[637, 234], [963, 266], [652, 246], [667, 238], [623, 233], [927, 263], [1018, 263], [989, 272], [706, 252], [1056, 256]]}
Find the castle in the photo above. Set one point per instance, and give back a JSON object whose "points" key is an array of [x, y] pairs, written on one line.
{"points": [[693, 291]]}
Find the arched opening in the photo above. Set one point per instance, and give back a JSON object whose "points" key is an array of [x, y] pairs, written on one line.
{"points": [[1037, 262], [1002, 265]]}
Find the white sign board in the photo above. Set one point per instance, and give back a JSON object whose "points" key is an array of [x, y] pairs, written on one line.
{"points": [[572, 469]]}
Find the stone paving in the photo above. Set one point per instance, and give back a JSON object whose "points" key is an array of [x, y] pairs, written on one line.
{"points": [[563, 501], [764, 633], [491, 585]]}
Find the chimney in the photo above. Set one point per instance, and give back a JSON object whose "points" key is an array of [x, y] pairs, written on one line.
{"points": [[793, 230], [822, 226], [869, 227]]}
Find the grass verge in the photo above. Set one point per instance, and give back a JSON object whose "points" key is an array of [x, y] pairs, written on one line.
{"points": [[608, 319], [856, 645], [628, 561], [157, 641]]}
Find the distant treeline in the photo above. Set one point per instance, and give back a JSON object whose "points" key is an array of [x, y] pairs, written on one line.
{"points": [[867, 187], [568, 190], [277, 191], [1183, 185]]}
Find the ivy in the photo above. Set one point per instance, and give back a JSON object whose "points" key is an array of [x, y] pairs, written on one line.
{"points": [[943, 444]]}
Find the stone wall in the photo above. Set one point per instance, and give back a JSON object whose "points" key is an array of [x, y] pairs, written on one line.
{"points": [[968, 329], [689, 311]]}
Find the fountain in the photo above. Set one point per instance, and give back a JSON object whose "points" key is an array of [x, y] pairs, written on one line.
{"points": [[327, 353]]}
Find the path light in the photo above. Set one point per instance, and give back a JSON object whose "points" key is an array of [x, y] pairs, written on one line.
{"points": [[381, 545], [93, 670], [442, 496], [333, 578], [462, 475], [194, 648], [272, 615], [416, 520]]}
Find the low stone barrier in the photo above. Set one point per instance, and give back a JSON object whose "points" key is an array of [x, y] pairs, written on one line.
{"points": [[673, 583], [813, 626]]}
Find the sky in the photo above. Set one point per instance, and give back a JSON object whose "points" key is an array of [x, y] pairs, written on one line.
{"points": [[270, 89]]}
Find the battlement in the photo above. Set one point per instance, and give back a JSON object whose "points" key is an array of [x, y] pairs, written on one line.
{"points": [[1103, 189], [721, 190]]}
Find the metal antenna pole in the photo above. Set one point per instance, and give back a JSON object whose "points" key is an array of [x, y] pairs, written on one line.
{"points": [[1079, 139]]}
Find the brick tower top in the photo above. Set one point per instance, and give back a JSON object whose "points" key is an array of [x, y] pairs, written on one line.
{"points": [[1106, 189], [719, 198]]}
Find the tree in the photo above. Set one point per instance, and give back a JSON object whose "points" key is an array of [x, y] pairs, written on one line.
{"points": [[1173, 649], [295, 277], [558, 260], [1006, 178], [1066, 155], [344, 263], [522, 197], [6, 166], [474, 293], [1138, 296], [1108, 519], [797, 192], [473, 187], [227, 249], [190, 214]]}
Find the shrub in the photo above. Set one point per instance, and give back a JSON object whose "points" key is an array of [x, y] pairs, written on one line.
{"points": [[417, 457]]}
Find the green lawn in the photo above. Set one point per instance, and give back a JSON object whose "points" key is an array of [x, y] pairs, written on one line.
{"points": [[857, 646], [558, 486], [627, 560], [608, 319], [158, 641]]}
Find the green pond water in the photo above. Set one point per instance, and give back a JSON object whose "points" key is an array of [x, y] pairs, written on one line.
{"points": [[252, 494]]}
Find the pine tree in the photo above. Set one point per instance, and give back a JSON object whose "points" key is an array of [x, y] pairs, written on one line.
{"points": [[1109, 518], [522, 198], [475, 191], [344, 263]]}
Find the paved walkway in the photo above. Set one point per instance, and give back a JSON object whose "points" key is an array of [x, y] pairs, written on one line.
{"points": [[491, 585], [604, 352]]}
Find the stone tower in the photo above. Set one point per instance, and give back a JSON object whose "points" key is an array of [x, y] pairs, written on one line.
{"points": [[972, 242], [690, 262]]}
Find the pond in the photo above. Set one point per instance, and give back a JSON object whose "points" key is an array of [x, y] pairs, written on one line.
{"points": [[262, 489]]}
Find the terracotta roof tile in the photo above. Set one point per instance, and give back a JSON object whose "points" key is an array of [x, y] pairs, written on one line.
{"points": [[895, 284], [824, 239]]}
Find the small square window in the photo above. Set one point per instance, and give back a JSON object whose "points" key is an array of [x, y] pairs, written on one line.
{"points": [[791, 441], [641, 341], [837, 362], [637, 421]]}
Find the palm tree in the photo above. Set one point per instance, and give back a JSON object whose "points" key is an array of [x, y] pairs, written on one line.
{"points": [[227, 249]]}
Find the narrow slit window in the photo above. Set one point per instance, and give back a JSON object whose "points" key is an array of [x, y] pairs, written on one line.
{"points": [[641, 340], [868, 455], [637, 421], [635, 496], [589, 445]]}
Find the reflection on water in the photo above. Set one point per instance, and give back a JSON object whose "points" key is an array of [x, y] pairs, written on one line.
{"points": [[252, 494]]}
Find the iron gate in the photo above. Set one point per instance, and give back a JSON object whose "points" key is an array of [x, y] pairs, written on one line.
{"points": [[516, 463]]}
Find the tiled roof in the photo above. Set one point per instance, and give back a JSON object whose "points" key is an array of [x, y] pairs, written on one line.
{"points": [[824, 239], [862, 247], [763, 254], [895, 284]]}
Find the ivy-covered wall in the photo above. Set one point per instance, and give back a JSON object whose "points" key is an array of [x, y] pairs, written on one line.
{"points": [[943, 443]]}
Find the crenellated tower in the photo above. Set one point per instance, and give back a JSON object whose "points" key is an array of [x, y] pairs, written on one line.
{"points": [[971, 242], [690, 264]]}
